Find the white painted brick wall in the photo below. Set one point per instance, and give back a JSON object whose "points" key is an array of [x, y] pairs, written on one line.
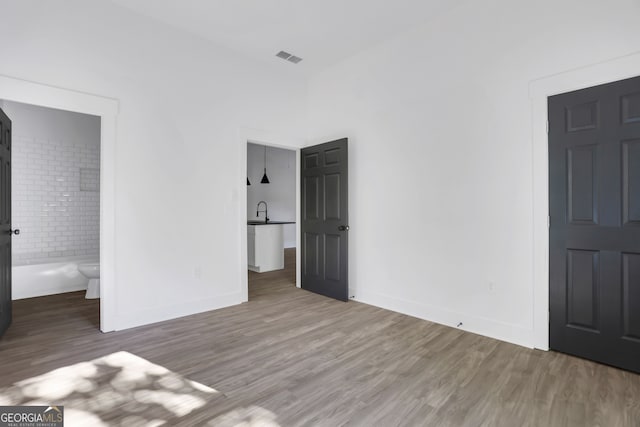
{"points": [[55, 197]]}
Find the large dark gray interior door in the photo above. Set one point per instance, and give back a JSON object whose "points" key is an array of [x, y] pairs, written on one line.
{"points": [[594, 188], [325, 219], [5, 222]]}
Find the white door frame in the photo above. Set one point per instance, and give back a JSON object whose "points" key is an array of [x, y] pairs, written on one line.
{"points": [[539, 90], [12, 89], [269, 139]]}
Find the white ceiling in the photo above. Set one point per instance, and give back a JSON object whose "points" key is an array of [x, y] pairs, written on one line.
{"points": [[322, 32]]}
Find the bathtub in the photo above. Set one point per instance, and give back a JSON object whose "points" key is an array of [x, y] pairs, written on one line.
{"points": [[53, 276]]}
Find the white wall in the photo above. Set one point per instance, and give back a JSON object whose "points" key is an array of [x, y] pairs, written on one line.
{"points": [[55, 184], [280, 193], [182, 104], [439, 121]]}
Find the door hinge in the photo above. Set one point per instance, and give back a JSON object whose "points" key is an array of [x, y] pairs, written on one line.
{"points": [[548, 221], [547, 126]]}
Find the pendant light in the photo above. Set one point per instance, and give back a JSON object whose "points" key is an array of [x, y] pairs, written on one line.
{"points": [[265, 180]]}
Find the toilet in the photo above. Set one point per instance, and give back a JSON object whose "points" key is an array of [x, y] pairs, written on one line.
{"points": [[91, 270]]}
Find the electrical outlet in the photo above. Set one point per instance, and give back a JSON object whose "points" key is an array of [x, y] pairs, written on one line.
{"points": [[492, 287]]}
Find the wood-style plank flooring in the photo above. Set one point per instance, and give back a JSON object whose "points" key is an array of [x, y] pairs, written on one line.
{"points": [[289, 357]]}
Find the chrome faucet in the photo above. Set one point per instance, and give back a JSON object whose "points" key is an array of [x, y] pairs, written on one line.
{"points": [[266, 214]]}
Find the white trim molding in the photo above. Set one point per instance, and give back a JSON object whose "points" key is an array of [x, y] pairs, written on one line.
{"points": [[26, 92], [507, 332], [539, 90], [148, 316]]}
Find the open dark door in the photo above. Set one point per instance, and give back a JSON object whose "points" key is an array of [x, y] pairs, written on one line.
{"points": [[325, 219], [594, 207], [5, 222]]}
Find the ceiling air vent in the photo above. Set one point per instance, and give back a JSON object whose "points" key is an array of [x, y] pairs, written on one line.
{"points": [[288, 57]]}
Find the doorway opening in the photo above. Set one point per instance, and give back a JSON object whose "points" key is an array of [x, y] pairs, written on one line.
{"points": [[55, 209], [272, 226], [321, 195], [37, 94]]}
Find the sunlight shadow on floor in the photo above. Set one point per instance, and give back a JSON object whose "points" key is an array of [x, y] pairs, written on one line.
{"points": [[251, 416], [117, 389]]}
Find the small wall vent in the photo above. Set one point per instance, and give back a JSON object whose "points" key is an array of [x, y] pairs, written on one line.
{"points": [[288, 57]]}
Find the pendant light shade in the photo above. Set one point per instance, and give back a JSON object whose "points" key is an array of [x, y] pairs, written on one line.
{"points": [[265, 179], [248, 182]]}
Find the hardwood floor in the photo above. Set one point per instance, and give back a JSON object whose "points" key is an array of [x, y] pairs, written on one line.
{"points": [[289, 357]]}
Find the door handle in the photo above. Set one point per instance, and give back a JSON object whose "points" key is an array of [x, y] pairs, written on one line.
{"points": [[343, 228]]}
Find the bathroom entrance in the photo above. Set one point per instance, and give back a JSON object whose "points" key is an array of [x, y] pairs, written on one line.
{"points": [[271, 217], [53, 207]]}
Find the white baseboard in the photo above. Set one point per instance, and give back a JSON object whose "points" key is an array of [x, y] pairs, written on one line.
{"points": [[514, 334], [160, 314]]}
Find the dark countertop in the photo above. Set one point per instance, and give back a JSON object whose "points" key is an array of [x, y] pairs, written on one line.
{"points": [[270, 222]]}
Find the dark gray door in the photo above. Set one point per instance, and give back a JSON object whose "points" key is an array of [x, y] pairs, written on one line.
{"points": [[5, 222], [325, 219], [594, 188]]}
